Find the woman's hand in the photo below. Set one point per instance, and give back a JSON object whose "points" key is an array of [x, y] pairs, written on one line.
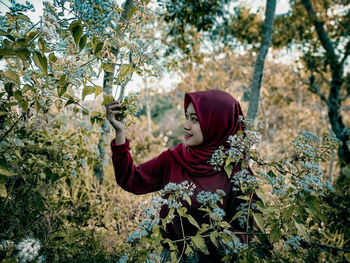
{"points": [[113, 111]]}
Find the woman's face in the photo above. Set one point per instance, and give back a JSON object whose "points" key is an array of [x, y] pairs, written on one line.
{"points": [[193, 133]]}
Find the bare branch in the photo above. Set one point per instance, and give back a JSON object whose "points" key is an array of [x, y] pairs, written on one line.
{"points": [[323, 77]]}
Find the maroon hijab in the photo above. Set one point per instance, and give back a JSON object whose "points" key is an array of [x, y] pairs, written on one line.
{"points": [[218, 114]]}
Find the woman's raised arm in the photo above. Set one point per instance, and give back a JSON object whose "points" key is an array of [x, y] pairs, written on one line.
{"points": [[144, 178]]}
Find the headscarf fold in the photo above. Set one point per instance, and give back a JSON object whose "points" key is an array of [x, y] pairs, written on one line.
{"points": [[218, 115]]}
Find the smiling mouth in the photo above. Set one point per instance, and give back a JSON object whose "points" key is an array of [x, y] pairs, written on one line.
{"points": [[187, 135]]}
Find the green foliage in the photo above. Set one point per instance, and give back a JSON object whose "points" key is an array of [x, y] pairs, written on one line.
{"points": [[283, 212]]}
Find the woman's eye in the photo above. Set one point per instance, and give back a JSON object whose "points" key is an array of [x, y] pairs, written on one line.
{"points": [[194, 120]]}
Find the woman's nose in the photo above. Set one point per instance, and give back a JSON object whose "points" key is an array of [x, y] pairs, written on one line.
{"points": [[187, 125]]}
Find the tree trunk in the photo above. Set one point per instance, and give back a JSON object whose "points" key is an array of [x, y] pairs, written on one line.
{"points": [[255, 84], [105, 128], [334, 100], [107, 90]]}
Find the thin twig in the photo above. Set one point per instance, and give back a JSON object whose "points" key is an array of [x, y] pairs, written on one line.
{"points": [[9, 130], [183, 235], [330, 247]]}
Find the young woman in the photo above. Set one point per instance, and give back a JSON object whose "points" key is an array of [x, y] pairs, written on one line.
{"points": [[211, 117]]}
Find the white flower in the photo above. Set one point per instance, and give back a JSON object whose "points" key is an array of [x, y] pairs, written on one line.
{"points": [[28, 250]]}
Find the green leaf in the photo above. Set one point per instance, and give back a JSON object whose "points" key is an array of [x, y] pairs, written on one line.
{"points": [[244, 197], [54, 178], [228, 169], [3, 192], [26, 88], [37, 105], [213, 236], [82, 42], [77, 30], [312, 204], [275, 233], [87, 90], [224, 224], [193, 221], [63, 80], [6, 172], [62, 90], [236, 216], [12, 76], [97, 45], [107, 99], [287, 212], [199, 242], [42, 45], [6, 34], [52, 57], [188, 199], [23, 17], [188, 250], [40, 61], [259, 192], [107, 67], [126, 69], [21, 101], [259, 221], [131, 12], [303, 230]]}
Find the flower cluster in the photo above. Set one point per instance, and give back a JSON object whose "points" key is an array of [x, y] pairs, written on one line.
{"points": [[97, 14], [210, 198], [217, 214], [130, 106], [123, 259], [293, 242], [177, 192], [153, 258], [303, 144], [16, 7], [6, 245], [240, 145], [28, 250], [218, 158], [277, 182], [150, 214], [311, 181], [235, 246], [49, 22], [243, 179]]}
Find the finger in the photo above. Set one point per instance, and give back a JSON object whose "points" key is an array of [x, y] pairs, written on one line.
{"points": [[113, 102], [114, 107], [115, 112]]}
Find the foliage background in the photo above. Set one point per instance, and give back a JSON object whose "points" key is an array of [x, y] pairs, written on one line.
{"points": [[49, 144]]}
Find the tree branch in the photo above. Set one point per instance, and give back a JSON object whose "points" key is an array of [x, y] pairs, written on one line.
{"points": [[322, 35], [314, 88], [11, 128], [346, 54]]}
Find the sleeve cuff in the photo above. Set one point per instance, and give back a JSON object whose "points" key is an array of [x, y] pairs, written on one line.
{"points": [[120, 148]]}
